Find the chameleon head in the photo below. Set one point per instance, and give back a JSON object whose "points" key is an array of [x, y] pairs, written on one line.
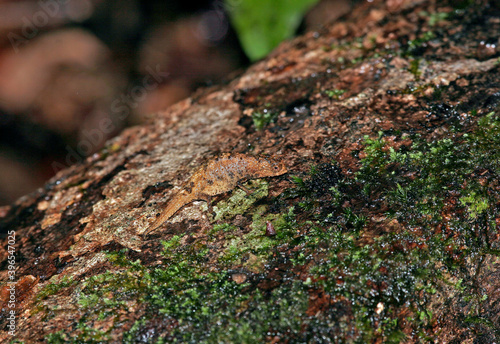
{"points": [[270, 168]]}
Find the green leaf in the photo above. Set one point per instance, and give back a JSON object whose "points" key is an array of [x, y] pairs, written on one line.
{"points": [[262, 24]]}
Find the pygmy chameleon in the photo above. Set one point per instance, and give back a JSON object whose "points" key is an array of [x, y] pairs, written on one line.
{"points": [[218, 176]]}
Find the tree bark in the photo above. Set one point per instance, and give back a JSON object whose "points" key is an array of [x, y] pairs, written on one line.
{"points": [[393, 235]]}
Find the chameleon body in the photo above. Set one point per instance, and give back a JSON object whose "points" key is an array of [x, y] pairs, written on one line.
{"points": [[218, 176]]}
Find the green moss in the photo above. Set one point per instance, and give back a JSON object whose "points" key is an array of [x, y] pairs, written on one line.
{"points": [[171, 244], [476, 204], [240, 201], [435, 18], [401, 268], [414, 68], [376, 276], [438, 170], [365, 276], [428, 186], [206, 306], [253, 249], [335, 93], [81, 334], [54, 288], [16, 341], [263, 119], [419, 42], [341, 273], [223, 227]]}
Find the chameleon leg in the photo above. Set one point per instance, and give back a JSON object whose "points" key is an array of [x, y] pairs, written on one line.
{"points": [[244, 188], [208, 199]]}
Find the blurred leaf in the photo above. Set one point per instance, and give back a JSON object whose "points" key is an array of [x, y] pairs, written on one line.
{"points": [[262, 24]]}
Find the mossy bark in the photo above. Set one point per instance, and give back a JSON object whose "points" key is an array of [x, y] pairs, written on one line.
{"points": [[386, 225]]}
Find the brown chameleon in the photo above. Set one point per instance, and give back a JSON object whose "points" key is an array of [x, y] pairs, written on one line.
{"points": [[218, 176]]}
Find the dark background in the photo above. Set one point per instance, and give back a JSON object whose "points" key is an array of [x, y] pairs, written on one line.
{"points": [[74, 73]]}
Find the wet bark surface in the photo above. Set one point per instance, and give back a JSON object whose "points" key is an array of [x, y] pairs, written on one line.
{"points": [[386, 225]]}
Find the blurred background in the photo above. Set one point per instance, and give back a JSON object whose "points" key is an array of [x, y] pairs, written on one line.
{"points": [[74, 73]]}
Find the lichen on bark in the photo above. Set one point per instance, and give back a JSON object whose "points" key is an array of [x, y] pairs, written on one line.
{"points": [[386, 226]]}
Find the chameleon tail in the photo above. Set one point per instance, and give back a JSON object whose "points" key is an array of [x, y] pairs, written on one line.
{"points": [[173, 206]]}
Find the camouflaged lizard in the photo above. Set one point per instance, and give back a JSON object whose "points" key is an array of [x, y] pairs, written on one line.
{"points": [[218, 176]]}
